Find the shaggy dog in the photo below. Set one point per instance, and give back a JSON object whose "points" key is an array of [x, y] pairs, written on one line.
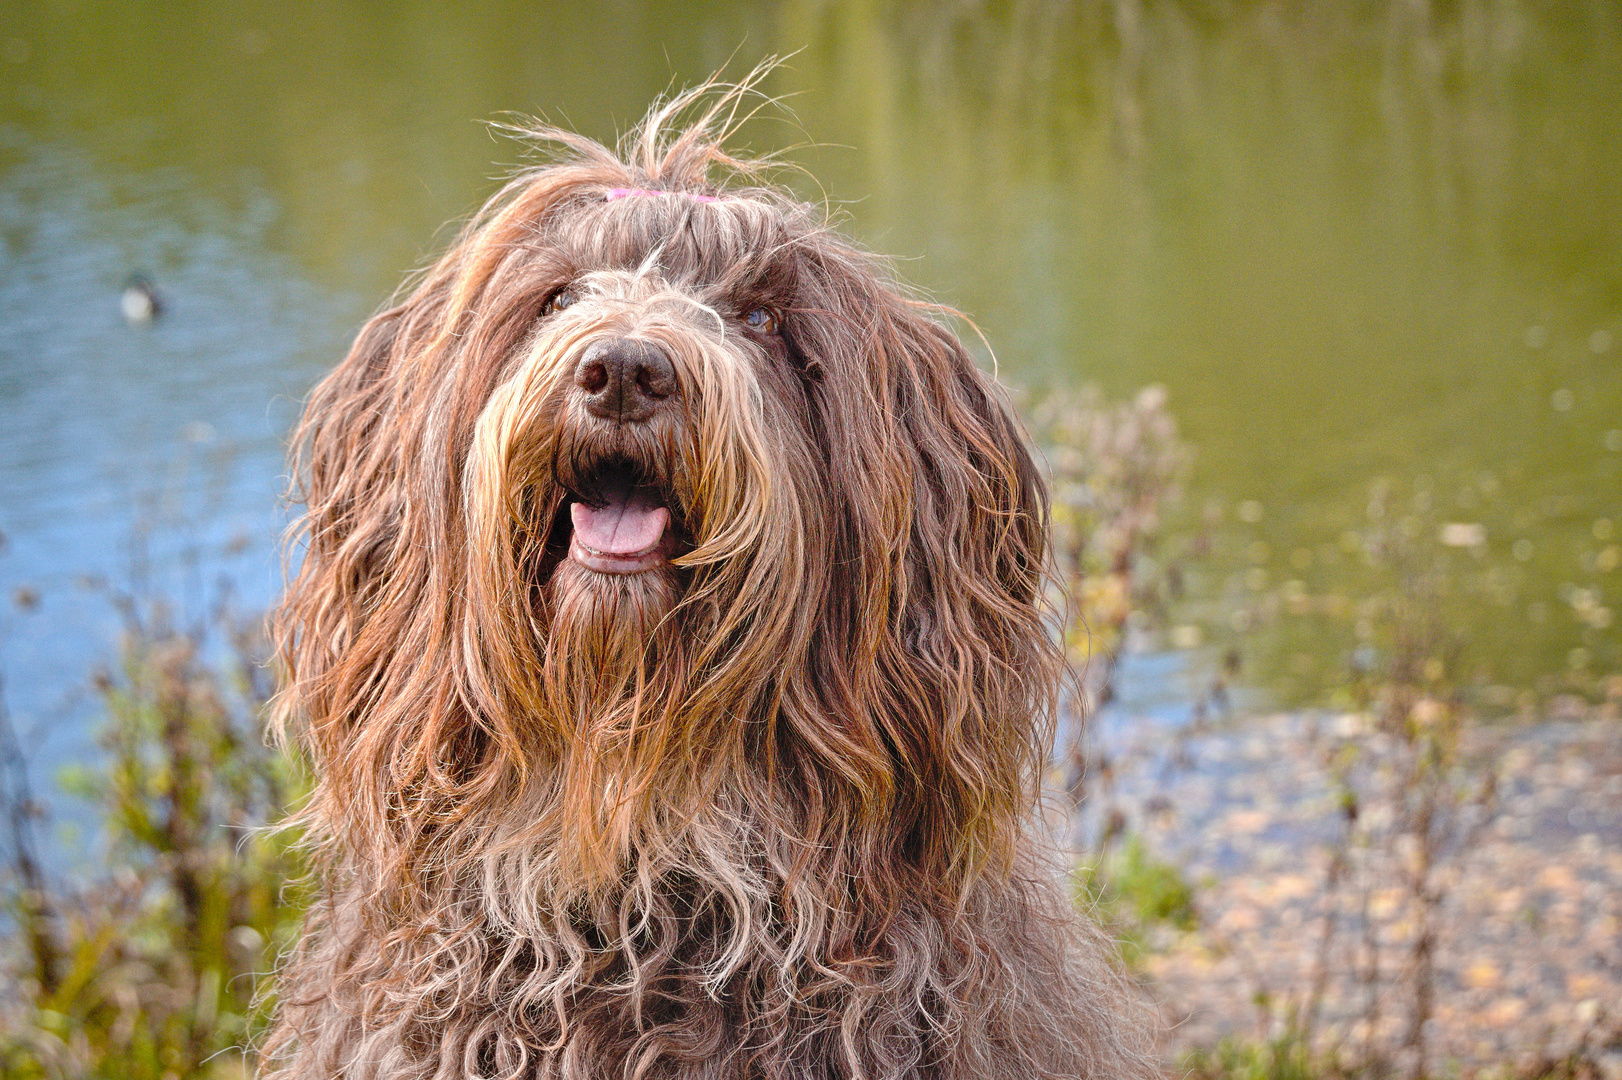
{"points": [[671, 650]]}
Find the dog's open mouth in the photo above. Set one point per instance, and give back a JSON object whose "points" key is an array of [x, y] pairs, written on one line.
{"points": [[620, 523]]}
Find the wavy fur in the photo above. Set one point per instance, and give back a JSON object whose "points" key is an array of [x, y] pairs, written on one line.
{"points": [[764, 812]]}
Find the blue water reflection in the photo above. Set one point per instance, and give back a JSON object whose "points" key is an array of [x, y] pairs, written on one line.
{"points": [[114, 432]]}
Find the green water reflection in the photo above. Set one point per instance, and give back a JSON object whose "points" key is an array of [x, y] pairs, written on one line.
{"points": [[1361, 244]]}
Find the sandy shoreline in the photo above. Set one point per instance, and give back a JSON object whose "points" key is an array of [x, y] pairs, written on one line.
{"points": [[1528, 956]]}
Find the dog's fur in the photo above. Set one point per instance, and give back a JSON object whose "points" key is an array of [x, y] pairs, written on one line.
{"points": [[761, 810]]}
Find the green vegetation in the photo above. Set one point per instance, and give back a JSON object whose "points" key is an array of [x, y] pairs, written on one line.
{"points": [[1132, 894], [153, 968], [1113, 468], [1283, 1058]]}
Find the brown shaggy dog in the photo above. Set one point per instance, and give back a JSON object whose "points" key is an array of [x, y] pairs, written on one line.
{"points": [[672, 653]]}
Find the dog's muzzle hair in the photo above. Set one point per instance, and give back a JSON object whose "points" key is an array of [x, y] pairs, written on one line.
{"points": [[671, 651]]}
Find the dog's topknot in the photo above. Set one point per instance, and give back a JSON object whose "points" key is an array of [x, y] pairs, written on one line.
{"points": [[671, 652]]}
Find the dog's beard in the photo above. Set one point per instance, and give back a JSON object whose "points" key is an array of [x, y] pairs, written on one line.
{"points": [[600, 684], [603, 631]]}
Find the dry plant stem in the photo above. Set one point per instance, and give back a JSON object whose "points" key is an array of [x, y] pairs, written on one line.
{"points": [[1434, 807], [1306, 1019], [1424, 898], [1411, 801], [1370, 973], [34, 913], [1112, 468]]}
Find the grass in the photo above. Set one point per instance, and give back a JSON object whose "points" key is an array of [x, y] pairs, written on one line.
{"points": [[1133, 895]]}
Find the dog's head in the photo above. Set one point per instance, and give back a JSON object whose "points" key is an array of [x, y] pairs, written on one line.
{"points": [[656, 494]]}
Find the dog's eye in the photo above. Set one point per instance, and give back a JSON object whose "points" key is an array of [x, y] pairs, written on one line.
{"points": [[557, 301], [762, 320]]}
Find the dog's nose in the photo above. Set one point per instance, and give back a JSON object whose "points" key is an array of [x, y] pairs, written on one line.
{"points": [[625, 379]]}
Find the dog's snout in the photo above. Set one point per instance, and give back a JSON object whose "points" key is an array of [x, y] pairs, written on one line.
{"points": [[625, 379]]}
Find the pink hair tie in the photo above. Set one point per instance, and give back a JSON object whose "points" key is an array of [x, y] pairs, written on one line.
{"points": [[626, 192]]}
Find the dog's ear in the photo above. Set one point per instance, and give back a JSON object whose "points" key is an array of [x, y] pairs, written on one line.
{"points": [[970, 653], [368, 631], [375, 685], [945, 653], [349, 468]]}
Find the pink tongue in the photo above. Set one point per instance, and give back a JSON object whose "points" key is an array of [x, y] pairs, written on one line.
{"points": [[630, 524]]}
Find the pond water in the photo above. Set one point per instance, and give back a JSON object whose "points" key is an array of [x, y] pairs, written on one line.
{"points": [[1366, 248]]}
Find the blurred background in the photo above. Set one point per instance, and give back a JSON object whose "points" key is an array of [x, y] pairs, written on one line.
{"points": [[1365, 257]]}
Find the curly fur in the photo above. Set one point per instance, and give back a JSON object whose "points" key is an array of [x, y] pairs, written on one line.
{"points": [[762, 812]]}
